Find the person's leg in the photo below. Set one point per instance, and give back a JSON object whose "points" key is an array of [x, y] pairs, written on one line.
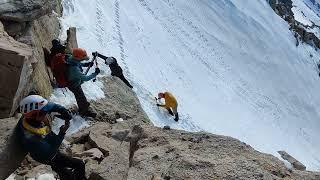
{"points": [[170, 111], [175, 112], [81, 99], [125, 80], [61, 163], [56, 165]]}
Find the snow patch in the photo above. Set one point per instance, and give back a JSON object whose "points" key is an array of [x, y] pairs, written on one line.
{"points": [[76, 124], [232, 65]]}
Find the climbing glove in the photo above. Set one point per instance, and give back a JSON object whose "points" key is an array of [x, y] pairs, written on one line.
{"points": [[97, 71], [95, 54]]}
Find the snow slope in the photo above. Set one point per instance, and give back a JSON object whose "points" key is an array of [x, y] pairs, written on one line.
{"points": [[308, 14], [232, 64]]}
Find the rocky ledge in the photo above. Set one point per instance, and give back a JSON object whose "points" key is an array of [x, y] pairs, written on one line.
{"points": [[123, 144]]}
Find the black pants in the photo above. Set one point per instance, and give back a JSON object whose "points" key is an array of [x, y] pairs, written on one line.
{"points": [[68, 168], [81, 99], [124, 80]]}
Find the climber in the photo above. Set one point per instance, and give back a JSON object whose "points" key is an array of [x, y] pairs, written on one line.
{"points": [[42, 144], [50, 58], [75, 78], [57, 47], [116, 70], [170, 104]]}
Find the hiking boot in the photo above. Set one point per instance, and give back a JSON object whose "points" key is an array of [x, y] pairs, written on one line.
{"points": [[170, 111], [88, 113], [177, 117]]}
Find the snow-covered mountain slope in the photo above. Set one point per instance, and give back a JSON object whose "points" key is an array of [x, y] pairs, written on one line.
{"points": [[232, 64], [307, 13]]}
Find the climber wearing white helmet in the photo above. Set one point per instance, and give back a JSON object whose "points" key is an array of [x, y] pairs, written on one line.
{"points": [[42, 144]]}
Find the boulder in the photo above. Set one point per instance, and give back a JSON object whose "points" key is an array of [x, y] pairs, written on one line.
{"points": [[116, 163], [178, 154], [119, 102], [77, 149], [93, 153], [15, 72], [294, 162]]}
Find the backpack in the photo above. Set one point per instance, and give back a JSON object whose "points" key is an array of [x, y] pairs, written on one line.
{"points": [[59, 67]]}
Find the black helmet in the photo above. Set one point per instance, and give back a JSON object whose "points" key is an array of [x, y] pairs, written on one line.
{"points": [[55, 42]]}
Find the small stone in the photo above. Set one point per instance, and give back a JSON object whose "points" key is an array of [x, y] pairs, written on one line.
{"points": [[155, 157], [166, 128], [119, 120]]}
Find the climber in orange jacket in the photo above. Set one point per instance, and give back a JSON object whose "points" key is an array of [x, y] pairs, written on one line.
{"points": [[170, 104]]}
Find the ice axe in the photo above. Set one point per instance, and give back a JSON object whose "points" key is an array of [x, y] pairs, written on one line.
{"points": [[91, 62], [94, 60], [156, 100], [94, 80]]}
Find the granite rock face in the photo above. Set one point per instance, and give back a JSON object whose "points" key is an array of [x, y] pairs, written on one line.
{"points": [[15, 72], [27, 27], [25, 10]]}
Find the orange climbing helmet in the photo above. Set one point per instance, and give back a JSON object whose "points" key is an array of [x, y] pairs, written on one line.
{"points": [[79, 54]]}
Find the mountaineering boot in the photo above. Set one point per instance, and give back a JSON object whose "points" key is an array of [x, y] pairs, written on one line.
{"points": [[177, 117], [170, 111], [89, 113]]}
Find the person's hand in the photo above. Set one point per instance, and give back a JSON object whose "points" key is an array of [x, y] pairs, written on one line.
{"points": [[64, 128], [97, 71], [95, 54], [90, 64]]}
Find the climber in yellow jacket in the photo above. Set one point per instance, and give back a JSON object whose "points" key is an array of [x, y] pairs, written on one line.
{"points": [[170, 104]]}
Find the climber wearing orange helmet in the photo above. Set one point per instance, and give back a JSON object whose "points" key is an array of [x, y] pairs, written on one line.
{"points": [[170, 104], [75, 78], [40, 142]]}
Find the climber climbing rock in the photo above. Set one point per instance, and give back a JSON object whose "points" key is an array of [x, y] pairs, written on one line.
{"points": [[68, 72], [170, 104], [37, 138], [75, 78]]}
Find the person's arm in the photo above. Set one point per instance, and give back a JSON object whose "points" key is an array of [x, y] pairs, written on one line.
{"points": [[87, 64], [54, 140], [63, 112], [99, 55], [89, 77], [83, 77], [160, 105]]}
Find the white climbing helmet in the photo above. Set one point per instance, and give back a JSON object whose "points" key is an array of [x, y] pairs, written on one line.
{"points": [[31, 104]]}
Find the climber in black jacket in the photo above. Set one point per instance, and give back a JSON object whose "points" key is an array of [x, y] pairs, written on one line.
{"points": [[116, 70]]}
